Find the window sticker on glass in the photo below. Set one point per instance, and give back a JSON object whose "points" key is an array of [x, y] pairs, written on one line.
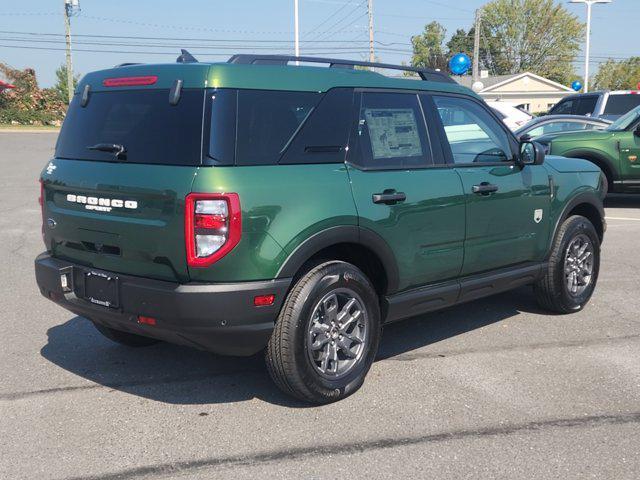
{"points": [[393, 132]]}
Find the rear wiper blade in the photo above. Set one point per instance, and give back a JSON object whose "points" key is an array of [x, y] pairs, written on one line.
{"points": [[115, 148]]}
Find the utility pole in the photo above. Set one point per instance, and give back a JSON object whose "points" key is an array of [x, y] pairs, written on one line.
{"points": [[70, 8], [372, 55], [476, 48], [587, 48], [296, 28]]}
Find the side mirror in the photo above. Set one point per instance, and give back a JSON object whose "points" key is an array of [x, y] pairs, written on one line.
{"points": [[531, 153], [636, 132]]}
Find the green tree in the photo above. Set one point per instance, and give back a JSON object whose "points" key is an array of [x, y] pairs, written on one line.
{"points": [[461, 42], [27, 103], [622, 75], [61, 83], [427, 47], [539, 36]]}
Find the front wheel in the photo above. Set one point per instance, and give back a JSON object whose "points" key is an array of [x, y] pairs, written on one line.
{"points": [[326, 336], [573, 268]]}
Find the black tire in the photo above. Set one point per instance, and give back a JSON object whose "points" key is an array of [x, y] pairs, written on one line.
{"points": [[125, 338], [290, 355], [552, 291]]}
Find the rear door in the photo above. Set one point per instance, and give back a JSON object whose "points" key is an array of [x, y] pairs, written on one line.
{"points": [[507, 221], [124, 213], [400, 191]]}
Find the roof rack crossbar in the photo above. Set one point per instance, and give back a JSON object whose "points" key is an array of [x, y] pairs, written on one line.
{"points": [[424, 73]]}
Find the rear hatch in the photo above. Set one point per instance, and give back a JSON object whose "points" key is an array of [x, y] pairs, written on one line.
{"points": [[124, 212]]}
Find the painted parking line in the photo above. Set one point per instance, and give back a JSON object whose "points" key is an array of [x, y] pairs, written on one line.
{"points": [[623, 218]]}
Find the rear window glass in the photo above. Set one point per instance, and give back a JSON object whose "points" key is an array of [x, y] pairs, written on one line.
{"points": [[267, 122], [586, 105], [621, 104], [142, 121], [565, 106]]}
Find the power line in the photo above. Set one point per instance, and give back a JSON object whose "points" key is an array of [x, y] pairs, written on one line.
{"points": [[156, 53], [328, 18], [345, 17]]}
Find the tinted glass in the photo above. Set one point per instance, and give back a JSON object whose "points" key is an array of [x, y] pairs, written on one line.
{"points": [[563, 107], [324, 136], [473, 134], [621, 104], [391, 132], [559, 126], [142, 121], [221, 125], [267, 122], [585, 105]]}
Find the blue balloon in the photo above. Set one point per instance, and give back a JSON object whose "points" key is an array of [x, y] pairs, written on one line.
{"points": [[577, 85], [459, 63]]}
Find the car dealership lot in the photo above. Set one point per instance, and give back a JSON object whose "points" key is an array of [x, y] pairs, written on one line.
{"points": [[494, 388]]}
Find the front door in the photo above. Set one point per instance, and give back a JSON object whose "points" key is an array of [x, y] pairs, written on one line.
{"points": [[507, 206], [415, 206], [629, 159]]}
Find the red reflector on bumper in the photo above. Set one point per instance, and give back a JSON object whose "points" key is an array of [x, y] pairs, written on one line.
{"points": [[146, 320], [264, 300], [130, 81]]}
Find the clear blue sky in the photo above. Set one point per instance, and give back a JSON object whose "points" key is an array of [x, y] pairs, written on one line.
{"points": [[328, 27]]}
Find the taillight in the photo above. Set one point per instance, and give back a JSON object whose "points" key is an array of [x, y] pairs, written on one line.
{"points": [[213, 226]]}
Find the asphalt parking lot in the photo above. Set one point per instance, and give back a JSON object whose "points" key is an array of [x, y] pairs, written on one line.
{"points": [[491, 389]]}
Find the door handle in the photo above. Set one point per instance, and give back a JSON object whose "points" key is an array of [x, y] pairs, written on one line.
{"points": [[485, 188], [389, 197]]}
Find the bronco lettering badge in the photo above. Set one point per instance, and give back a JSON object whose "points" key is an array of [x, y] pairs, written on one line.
{"points": [[101, 204]]}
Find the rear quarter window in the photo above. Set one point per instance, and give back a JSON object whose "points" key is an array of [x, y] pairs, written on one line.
{"points": [[267, 122], [143, 121], [621, 104]]}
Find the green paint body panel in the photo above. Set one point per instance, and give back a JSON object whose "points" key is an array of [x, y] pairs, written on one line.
{"points": [[282, 206], [426, 232], [441, 232], [150, 239], [616, 152]]}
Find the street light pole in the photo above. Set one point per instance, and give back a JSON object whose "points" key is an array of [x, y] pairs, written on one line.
{"points": [[587, 48], [296, 28]]}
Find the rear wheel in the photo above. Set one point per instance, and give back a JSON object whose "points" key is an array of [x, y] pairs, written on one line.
{"points": [[125, 338], [573, 268], [327, 334]]}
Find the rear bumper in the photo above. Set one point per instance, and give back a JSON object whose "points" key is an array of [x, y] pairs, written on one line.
{"points": [[220, 318]]}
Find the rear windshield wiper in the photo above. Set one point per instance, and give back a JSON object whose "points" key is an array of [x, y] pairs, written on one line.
{"points": [[115, 148]]}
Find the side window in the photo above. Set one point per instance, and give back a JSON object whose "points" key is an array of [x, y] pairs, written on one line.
{"points": [[391, 132], [221, 148], [563, 107], [473, 134], [324, 136], [621, 104], [267, 121], [586, 105]]}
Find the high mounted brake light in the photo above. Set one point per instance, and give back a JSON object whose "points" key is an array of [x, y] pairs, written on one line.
{"points": [[212, 226], [130, 81]]}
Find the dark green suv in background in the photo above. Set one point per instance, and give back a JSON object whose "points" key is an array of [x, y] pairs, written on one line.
{"points": [[615, 150], [258, 204]]}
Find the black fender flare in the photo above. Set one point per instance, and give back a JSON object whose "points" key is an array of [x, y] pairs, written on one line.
{"points": [[596, 157], [343, 234], [590, 198]]}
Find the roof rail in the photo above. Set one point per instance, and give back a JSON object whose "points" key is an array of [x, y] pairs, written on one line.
{"points": [[424, 73], [126, 64]]}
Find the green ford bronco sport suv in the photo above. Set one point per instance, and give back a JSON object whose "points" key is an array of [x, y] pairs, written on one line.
{"points": [[261, 204], [615, 150]]}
